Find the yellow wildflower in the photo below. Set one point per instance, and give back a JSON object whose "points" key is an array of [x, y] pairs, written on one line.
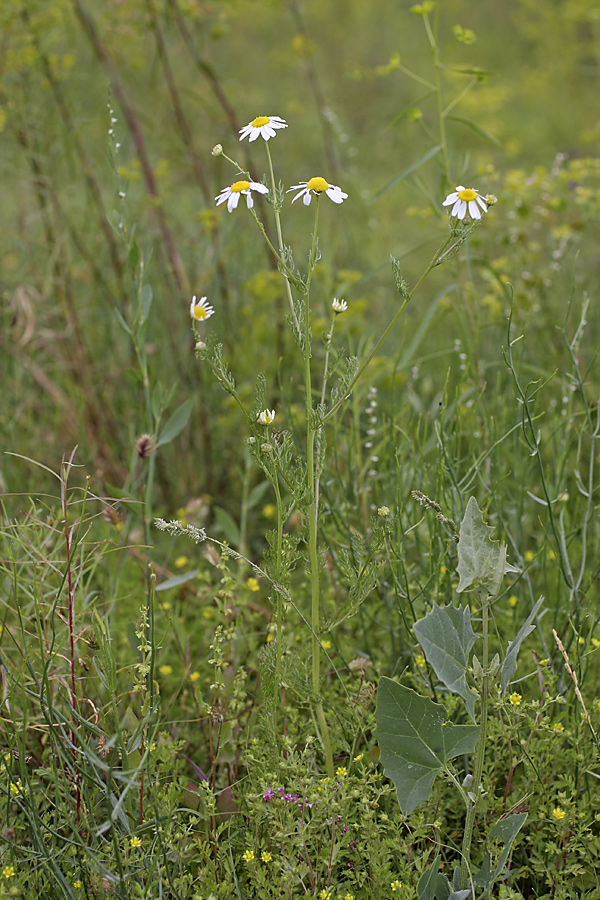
{"points": [[266, 856], [558, 813], [180, 562], [8, 871], [248, 856], [396, 885], [420, 660], [512, 601], [135, 843], [341, 771], [166, 670], [194, 676], [515, 699], [253, 585]]}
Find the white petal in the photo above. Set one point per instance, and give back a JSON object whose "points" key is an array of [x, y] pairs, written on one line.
{"points": [[459, 209], [460, 187], [257, 186], [249, 199], [297, 187], [307, 198], [451, 198], [474, 211], [336, 194], [245, 131], [223, 196], [255, 134], [234, 199], [482, 203]]}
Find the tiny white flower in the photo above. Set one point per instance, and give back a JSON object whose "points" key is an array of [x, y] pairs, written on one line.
{"points": [[317, 186], [262, 126], [200, 309], [383, 511], [232, 194], [266, 417], [463, 199], [339, 306]]}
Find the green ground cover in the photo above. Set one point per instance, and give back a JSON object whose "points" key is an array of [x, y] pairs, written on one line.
{"points": [[298, 593]]}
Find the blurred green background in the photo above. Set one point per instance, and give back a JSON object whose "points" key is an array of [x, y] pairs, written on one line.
{"points": [[182, 76]]}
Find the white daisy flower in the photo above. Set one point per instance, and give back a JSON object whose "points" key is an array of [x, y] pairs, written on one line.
{"points": [[464, 199], [339, 306], [317, 186], [266, 417], [232, 194], [200, 309], [262, 126]]}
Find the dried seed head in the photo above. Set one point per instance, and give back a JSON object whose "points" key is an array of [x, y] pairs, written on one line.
{"points": [[145, 446]]}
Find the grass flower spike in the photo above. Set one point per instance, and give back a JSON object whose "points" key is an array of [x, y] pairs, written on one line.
{"points": [[266, 417], [232, 194], [339, 306], [463, 200], [263, 126], [317, 186], [200, 309]]}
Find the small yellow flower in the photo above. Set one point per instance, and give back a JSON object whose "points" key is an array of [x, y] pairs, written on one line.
{"points": [[443, 570], [595, 643], [396, 885], [152, 747], [8, 871], [248, 856], [77, 884], [544, 662], [166, 606], [16, 788], [270, 637], [266, 856], [515, 699], [558, 813], [325, 895], [420, 660], [512, 601], [194, 676], [207, 613], [253, 585], [558, 727], [180, 562], [529, 556], [551, 554], [326, 644], [581, 641], [166, 670], [341, 772], [349, 897], [358, 758], [269, 510], [135, 843]]}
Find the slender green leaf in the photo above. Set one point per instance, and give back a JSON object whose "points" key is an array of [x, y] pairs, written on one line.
{"points": [[509, 665], [478, 130], [257, 493], [176, 580], [175, 424], [447, 638], [416, 742], [228, 526], [412, 168]]}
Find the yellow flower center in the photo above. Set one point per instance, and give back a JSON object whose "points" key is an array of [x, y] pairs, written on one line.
{"points": [[467, 195], [238, 186], [260, 121], [200, 314], [318, 185]]}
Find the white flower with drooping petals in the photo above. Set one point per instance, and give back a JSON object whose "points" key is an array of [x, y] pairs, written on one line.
{"points": [[339, 306], [263, 126], [465, 199], [266, 417], [233, 193], [317, 186], [200, 310]]}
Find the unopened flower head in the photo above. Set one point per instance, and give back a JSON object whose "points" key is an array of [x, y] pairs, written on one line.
{"points": [[266, 417], [263, 126], [383, 511], [339, 306], [233, 193], [217, 150], [465, 200], [200, 309], [317, 186]]}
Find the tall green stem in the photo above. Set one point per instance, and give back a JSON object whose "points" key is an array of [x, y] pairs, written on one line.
{"points": [[280, 234], [465, 865], [313, 513]]}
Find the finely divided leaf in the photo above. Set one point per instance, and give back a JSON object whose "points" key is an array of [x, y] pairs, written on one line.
{"points": [[416, 743], [509, 666], [446, 636]]}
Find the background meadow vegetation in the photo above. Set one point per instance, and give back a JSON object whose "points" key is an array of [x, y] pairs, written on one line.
{"points": [[145, 748]]}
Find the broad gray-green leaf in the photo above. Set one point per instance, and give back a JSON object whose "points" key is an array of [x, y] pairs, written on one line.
{"points": [[432, 884], [176, 580], [446, 636], [175, 424], [480, 559], [415, 740], [509, 666]]}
